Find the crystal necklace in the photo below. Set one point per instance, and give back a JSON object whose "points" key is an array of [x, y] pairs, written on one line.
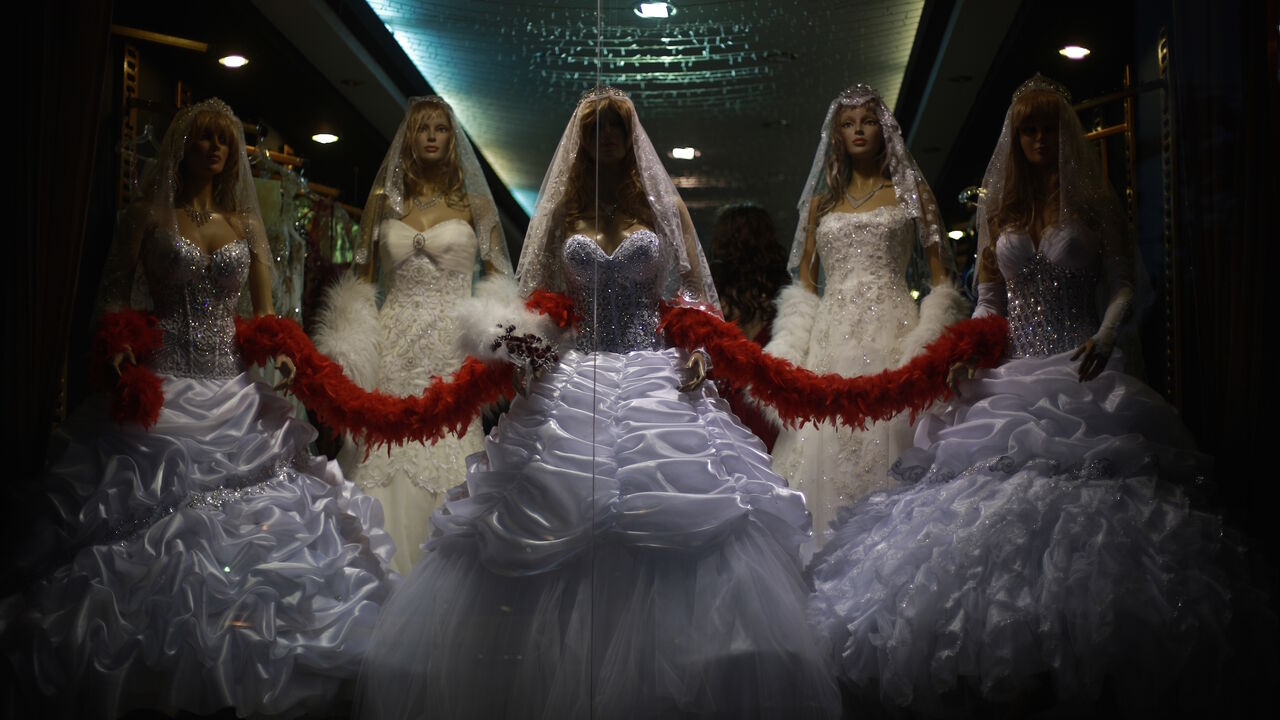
{"points": [[199, 217], [858, 202], [429, 202]]}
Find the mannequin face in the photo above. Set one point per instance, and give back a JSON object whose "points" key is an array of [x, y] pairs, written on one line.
{"points": [[1038, 138], [609, 136], [206, 152], [859, 132], [433, 139]]}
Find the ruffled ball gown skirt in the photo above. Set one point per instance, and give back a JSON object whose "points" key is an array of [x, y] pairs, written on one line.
{"points": [[219, 564], [1042, 557], [622, 549]]}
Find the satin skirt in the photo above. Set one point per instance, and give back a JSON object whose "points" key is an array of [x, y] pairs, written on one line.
{"points": [[215, 563], [1042, 555], [621, 549]]}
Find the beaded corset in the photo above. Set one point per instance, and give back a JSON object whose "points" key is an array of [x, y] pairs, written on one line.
{"points": [[618, 295], [1051, 307], [195, 296]]}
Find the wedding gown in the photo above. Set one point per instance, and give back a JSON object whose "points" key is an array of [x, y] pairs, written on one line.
{"points": [[863, 317], [217, 563], [620, 549], [427, 274], [1042, 551]]}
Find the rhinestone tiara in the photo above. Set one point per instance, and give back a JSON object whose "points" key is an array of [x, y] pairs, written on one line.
{"points": [[858, 94], [1040, 83], [603, 91], [432, 99]]}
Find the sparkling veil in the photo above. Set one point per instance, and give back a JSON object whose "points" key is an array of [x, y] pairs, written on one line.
{"points": [[909, 187], [540, 261]]}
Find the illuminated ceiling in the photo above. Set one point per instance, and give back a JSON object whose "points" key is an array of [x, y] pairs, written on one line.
{"points": [[747, 83]]}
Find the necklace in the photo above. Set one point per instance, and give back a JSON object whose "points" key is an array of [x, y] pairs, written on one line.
{"points": [[858, 202], [429, 202], [199, 217]]}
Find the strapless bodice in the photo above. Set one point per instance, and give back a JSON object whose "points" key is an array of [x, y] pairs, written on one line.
{"points": [[619, 294], [873, 244], [1052, 289], [195, 295]]}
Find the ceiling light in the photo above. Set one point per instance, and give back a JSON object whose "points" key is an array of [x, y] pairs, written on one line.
{"points": [[233, 61], [655, 10], [325, 138], [955, 234], [684, 153], [1074, 52]]}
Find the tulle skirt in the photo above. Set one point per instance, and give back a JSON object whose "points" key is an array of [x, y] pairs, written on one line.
{"points": [[621, 548], [1042, 556], [218, 565]]}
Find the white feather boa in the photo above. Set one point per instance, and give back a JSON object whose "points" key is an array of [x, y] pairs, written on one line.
{"points": [[797, 309], [495, 306], [943, 306], [347, 329]]}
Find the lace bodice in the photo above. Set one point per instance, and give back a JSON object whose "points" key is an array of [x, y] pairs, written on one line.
{"points": [[195, 296], [873, 245], [618, 295], [1052, 289], [427, 274]]}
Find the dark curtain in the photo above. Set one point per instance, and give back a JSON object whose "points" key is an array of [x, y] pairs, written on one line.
{"points": [[1225, 113], [63, 49]]}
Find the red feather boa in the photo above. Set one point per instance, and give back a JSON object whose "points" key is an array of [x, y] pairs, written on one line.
{"points": [[800, 395], [137, 395], [373, 417]]}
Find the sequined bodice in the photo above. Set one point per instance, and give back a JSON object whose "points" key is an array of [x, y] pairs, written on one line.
{"points": [[195, 296], [1052, 306], [875, 244], [618, 295]]}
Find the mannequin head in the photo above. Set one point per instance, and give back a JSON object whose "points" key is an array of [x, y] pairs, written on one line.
{"points": [[429, 153], [605, 154], [856, 139], [1030, 197], [210, 156]]}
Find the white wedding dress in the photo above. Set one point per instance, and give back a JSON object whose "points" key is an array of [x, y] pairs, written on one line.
{"points": [[621, 549], [1046, 551], [864, 315], [427, 274], [215, 562]]}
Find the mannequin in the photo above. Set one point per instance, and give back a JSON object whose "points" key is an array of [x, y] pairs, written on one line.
{"points": [[864, 212], [429, 225]]}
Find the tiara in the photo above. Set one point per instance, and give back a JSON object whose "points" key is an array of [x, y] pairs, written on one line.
{"points": [[600, 92], [431, 99], [1040, 83], [858, 94], [212, 104]]}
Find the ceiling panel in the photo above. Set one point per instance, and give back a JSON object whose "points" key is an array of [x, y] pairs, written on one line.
{"points": [[747, 83]]}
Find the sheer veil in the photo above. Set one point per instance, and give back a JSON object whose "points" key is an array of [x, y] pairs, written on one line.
{"points": [[156, 212], [909, 187], [387, 196], [540, 261]]}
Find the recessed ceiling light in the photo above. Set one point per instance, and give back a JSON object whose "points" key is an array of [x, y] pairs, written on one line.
{"points": [[1074, 52], [655, 10], [955, 234], [685, 153], [325, 138], [233, 61]]}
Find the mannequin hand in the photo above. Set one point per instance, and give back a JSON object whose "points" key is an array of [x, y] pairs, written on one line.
{"points": [[287, 369], [960, 371], [120, 357], [1095, 354], [520, 377], [698, 364]]}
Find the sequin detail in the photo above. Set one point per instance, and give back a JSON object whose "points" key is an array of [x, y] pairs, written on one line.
{"points": [[195, 295], [1051, 307], [618, 294], [234, 490]]}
